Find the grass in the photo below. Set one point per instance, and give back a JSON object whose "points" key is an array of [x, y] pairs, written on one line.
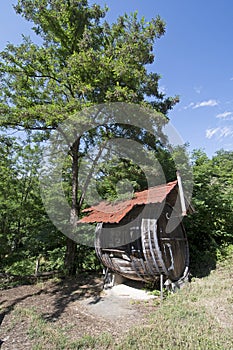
{"points": [[45, 335], [198, 317], [179, 325]]}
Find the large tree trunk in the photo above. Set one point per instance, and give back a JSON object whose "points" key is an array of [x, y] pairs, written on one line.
{"points": [[71, 257], [71, 246]]}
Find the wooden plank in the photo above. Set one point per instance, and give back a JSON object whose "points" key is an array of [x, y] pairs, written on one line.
{"points": [[151, 263]]}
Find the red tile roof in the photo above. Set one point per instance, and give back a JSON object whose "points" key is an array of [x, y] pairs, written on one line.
{"points": [[114, 213]]}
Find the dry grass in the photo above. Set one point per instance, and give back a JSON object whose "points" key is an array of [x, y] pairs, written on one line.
{"points": [[200, 316]]}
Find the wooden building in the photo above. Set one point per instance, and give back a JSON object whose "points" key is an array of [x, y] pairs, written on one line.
{"points": [[143, 238]]}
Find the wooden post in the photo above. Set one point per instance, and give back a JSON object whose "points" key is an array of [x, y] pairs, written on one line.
{"points": [[161, 287], [182, 199], [37, 266]]}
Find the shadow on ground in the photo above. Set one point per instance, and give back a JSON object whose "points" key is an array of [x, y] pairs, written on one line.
{"points": [[60, 294]]}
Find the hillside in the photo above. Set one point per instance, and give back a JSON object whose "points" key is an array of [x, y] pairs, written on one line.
{"points": [[53, 315]]}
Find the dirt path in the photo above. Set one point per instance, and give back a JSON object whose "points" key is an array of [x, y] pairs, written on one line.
{"points": [[77, 307]]}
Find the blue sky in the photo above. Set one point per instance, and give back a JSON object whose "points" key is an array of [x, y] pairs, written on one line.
{"points": [[194, 58]]}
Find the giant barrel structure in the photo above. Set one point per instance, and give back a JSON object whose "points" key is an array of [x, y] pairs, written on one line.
{"points": [[144, 237], [143, 250]]}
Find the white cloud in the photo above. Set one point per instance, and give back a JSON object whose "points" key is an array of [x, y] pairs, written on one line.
{"points": [[189, 106], [226, 131], [211, 132], [209, 103], [225, 116]]}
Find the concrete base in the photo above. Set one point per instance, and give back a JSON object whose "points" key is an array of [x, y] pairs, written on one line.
{"points": [[125, 288], [125, 291]]}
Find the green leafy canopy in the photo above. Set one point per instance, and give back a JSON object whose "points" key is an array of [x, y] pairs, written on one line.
{"points": [[79, 60], [82, 60]]}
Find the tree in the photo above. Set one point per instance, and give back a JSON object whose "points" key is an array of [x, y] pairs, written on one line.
{"points": [[81, 61], [210, 227], [25, 229]]}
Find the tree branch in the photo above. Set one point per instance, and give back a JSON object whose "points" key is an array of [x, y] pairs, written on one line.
{"points": [[85, 187]]}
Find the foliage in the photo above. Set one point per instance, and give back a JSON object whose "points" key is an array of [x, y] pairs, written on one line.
{"points": [[211, 225], [80, 60], [23, 267], [25, 230], [119, 178]]}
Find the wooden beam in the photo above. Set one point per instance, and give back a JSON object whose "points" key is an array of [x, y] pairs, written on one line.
{"points": [[181, 191]]}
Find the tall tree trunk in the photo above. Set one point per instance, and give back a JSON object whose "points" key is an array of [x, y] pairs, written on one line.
{"points": [[71, 246], [71, 257]]}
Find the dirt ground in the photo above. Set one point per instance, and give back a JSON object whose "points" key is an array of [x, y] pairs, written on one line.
{"points": [[78, 305]]}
